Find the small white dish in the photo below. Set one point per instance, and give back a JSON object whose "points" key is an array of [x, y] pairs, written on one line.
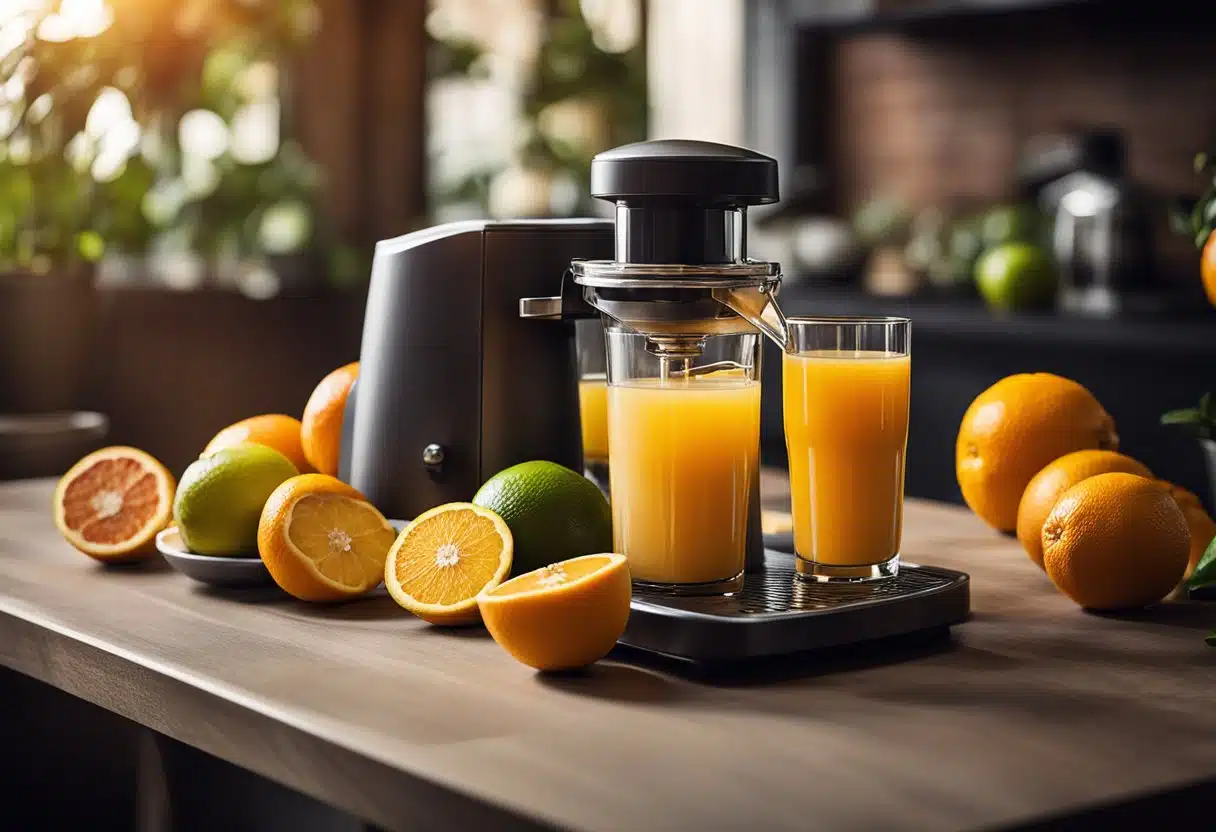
{"points": [[235, 571]]}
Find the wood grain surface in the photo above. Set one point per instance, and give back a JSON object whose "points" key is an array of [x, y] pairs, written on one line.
{"points": [[1032, 710]]}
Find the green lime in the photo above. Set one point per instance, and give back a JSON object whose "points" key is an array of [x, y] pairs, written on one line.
{"points": [[554, 513], [1010, 224], [220, 497], [1016, 276]]}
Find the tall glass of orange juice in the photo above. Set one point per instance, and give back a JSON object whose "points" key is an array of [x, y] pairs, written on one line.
{"points": [[846, 384], [684, 440]]}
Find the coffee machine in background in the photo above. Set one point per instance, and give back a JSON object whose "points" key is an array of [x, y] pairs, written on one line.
{"points": [[468, 366], [1101, 219]]}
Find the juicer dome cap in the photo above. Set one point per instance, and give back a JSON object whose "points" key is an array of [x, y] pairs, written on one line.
{"points": [[683, 170]]}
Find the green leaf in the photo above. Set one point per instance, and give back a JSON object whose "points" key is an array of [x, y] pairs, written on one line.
{"points": [[1180, 220], [1205, 570], [1201, 162], [1211, 639], [1207, 406], [1184, 416]]}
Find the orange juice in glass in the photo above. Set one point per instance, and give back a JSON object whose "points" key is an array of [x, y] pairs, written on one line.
{"points": [[593, 412], [846, 385], [593, 399], [684, 445]]}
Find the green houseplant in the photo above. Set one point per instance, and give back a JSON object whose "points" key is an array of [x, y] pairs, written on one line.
{"points": [[1200, 422], [120, 145], [1197, 221], [47, 248]]}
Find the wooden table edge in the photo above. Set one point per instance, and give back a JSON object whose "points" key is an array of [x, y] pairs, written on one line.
{"points": [[243, 732]]}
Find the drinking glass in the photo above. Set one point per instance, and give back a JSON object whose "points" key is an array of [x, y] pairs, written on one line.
{"points": [[684, 437], [846, 389], [593, 399]]}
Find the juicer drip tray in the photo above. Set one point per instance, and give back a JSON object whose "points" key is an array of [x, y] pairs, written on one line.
{"points": [[778, 613]]}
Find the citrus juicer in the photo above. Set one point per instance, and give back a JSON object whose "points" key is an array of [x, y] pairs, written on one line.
{"points": [[680, 276], [468, 366]]}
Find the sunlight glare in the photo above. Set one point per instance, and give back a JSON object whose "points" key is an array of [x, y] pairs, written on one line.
{"points": [[88, 18], [255, 133], [203, 134], [75, 19], [111, 107]]}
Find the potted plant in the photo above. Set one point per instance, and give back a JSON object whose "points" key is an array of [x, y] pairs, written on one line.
{"points": [[1201, 422], [1197, 220], [95, 102], [48, 243]]}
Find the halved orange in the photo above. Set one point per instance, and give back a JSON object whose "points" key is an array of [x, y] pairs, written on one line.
{"points": [[111, 504], [444, 558], [321, 540], [560, 617]]}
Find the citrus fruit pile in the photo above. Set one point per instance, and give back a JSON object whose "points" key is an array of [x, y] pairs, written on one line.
{"points": [[568, 601], [1037, 456], [267, 487], [263, 487]]}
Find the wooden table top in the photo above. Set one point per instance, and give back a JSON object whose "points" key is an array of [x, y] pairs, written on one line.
{"points": [[1033, 709]]}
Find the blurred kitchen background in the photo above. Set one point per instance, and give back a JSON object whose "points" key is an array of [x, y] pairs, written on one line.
{"points": [[190, 189]]}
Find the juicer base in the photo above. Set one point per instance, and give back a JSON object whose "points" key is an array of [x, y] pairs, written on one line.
{"points": [[778, 614]]}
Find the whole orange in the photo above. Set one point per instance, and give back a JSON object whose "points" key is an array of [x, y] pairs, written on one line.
{"points": [[274, 430], [1016, 427], [1200, 523], [1116, 541], [1057, 477], [1207, 268], [322, 422]]}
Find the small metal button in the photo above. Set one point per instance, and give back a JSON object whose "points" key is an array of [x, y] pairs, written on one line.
{"points": [[432, 457]]}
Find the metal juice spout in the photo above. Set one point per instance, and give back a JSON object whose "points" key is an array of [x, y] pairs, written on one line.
{"points": [[758, 306]]}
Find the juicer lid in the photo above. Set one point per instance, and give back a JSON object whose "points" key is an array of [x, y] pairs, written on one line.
{"points": [[703, 173], [618, 275]]}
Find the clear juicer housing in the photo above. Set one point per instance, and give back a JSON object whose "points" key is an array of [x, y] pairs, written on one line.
{"points": [[684, 357]]}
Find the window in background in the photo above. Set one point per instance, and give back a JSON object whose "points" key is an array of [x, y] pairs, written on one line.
{"points": [[148, 137], [696, 70], [522, 95]]}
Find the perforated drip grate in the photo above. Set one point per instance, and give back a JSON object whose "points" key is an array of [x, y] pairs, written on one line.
{"points": [[779, 590]]}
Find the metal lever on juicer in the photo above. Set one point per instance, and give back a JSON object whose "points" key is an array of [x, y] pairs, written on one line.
{"points": [[569, 305]]}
